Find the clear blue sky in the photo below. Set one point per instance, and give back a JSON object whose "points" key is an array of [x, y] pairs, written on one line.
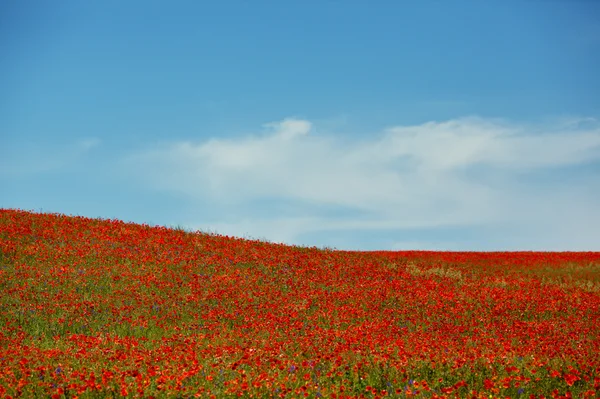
{"points": [[462, 125]]}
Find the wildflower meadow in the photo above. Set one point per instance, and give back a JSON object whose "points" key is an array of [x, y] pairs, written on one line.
{"points": [[93, 308]]}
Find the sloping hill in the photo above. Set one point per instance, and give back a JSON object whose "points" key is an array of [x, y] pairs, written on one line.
{"points": [[95, 308]]}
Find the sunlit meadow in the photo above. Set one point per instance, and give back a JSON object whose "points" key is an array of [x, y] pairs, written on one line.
{"points": [[94, 308]]}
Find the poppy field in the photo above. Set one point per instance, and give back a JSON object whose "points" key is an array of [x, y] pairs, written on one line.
{"points": [[93, 308]]}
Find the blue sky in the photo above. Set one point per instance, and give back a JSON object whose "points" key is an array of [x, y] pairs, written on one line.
{"points": [[462, 125]]}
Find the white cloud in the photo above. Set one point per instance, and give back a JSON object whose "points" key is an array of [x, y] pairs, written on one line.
{"points": [[89, 143], [422, 246], [33, 158], [462, 172], [290, 128]]}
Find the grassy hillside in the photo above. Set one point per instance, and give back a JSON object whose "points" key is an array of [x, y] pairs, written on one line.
{"points": [[101, 308]]}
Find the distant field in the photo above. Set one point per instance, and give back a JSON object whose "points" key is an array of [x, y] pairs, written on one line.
{"points": [[94, 308]]}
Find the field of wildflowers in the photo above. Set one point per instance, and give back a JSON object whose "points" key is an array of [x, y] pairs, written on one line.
{"points": [[94, 308]]}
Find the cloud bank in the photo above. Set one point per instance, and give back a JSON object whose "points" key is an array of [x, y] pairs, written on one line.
{"points": [[536, 183]]}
